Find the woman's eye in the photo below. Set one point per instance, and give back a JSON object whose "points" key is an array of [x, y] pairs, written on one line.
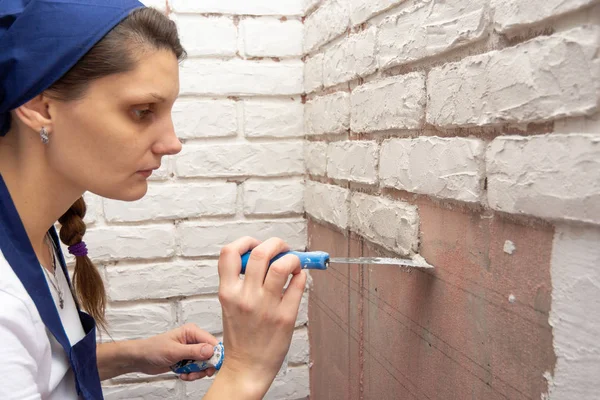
{"points": [[143, 113]]}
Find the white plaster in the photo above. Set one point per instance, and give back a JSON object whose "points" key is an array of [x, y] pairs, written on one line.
{"points": [[575, 313], [315, 156], [441, 167], [273, 118], [397, 102], [313, 73], [331, 19], [353, 161], [428, 28], [327, 203], [204, 118], [361, 10], [271, 37], [509, 247], [392, 224], [549, 176], [351, 58], [545, 78], [513, 14], [328, 114], [512, 298]]}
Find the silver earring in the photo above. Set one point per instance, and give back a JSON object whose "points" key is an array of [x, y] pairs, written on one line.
{"points": [[44, 135]]}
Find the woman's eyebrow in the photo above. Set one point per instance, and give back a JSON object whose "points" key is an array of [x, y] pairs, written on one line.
{"points": [[158, 97]]}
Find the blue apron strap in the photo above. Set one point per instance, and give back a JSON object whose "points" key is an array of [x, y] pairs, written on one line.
{"points": [[19, 253]]}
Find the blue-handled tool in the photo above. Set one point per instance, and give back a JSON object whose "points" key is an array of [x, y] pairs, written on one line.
{"points": [[321, 260]]}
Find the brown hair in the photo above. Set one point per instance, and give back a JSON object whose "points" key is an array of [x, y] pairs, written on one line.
{"points": [[143, 30]]}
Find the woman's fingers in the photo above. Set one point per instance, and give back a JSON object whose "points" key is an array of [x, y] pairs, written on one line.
{"points": [[279, 273], [259, 261], [230, 264], [193, 334], [293, 294]]}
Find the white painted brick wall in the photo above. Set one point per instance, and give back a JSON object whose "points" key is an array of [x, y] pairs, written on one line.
{"points": [[176, 201], [207, 36], [397, 102], [442, 167], [550, 176], [353, 57], [430, 28], [392, 224], [241, 159], [207, 238], [331, 19], [328, 114], [249, 7], [195, 118], [241, 119], [270, 37], [545, 78], [327, 203], [455, 94], [273, 197], [231, 77], [315, 155], [313, 73], [273, 118], [353, 161], [513, 14]]}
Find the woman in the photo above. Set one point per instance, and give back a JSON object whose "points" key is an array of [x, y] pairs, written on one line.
{"points": [[86, 91]]}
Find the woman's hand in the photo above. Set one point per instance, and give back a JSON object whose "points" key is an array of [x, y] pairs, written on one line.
{"points": [[156, 354], [187, 342], [258, 316]]}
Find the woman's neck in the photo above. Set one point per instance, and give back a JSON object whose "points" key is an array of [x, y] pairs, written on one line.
{"points": [[40, 195]]}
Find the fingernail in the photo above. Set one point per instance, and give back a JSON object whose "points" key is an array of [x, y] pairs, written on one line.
{"points": [[206, 351]]}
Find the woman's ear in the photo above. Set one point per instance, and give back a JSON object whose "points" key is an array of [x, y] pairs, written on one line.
{"points": [[35, 113]]}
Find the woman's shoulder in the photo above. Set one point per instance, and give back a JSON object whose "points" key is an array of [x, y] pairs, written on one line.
{"points": [[17, 305]]}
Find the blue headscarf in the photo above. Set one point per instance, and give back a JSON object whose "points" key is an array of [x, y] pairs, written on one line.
{"points": [[40, 40]]}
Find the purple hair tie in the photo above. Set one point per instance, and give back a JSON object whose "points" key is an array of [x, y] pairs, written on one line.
{"points": [[79, 249]]}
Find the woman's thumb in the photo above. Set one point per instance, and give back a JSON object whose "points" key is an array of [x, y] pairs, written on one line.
{"points": [[200, 351]]}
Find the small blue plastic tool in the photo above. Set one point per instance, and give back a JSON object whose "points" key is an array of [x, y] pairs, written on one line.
{"points": [[308, 259]]}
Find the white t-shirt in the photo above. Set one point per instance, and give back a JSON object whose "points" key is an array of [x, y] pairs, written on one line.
{"points": [[33, 365]]}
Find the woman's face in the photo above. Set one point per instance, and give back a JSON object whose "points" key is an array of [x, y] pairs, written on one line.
{"points": [[109, 141]]}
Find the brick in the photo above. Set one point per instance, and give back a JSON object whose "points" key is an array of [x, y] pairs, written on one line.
{"points": [[273, 118], [430, 28], [299, 349], [315, 156], [549, 176], [175, 201], [94, 208], [194, 31], [273, 197], [241, 159], [353, 161], [513, 14], [397, 102], [328, 114], [361, 11], [206, 313], [204, 118], [131, 242], [575, 282], [159, 4], [313, 73], [230, 77], [451, 168], [197, 389], [351, 58], [139, 320], [293, 385], [207, 239], [542, 79], [327, 203], [158, 390], [163, 172], [139, 282], [254, 7], [392, 224], [330, 20], [270, 37]]}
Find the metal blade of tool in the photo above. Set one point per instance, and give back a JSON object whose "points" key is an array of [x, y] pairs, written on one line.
{"points": [[417, 263]]}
